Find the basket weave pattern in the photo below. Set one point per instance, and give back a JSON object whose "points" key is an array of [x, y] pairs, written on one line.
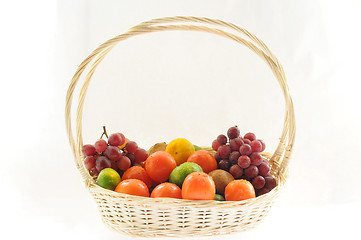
{"points": [[140, 216]]}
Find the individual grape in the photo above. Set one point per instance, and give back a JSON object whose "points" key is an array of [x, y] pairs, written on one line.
{"points": [[113, 153], [88, 150], [116, 139], [215, 145], [236, 171], [233, 157], [251, 171], [266, 162], [235, 144], [256, 146], [217, 157], [89, 162], [244, 161], [102, 162], [245, 150], [131, 146], [270, 182], [131, 157], [263, 145], [258, 182], [246, 141], [224, 151], [250, 136], [140, 155], [124, 163], [263, 169], [100, 145], [256, 158], [233, 132], [262, 191], [222, 139], [224, 164]]}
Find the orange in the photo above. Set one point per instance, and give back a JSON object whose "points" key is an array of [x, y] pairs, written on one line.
{"points": [[238, 190], [198, 186], [133, 187], [137, 172], [159, 166], [204, 159], [180, 149], [166, 189]]}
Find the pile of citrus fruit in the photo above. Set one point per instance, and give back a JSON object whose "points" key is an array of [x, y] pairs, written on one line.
{"points": [[234, 171]]}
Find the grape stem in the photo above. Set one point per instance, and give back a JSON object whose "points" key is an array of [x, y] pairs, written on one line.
{"points": [[104, 132]]}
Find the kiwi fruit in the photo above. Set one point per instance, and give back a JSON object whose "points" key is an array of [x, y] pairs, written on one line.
{"points": [[221, 179]]}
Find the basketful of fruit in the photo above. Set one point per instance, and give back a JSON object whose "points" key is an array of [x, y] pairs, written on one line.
{"points": [[233, 170], [178, 188]]}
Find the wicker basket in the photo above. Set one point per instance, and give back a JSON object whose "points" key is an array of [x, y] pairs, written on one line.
{"points": [[149, 217]]}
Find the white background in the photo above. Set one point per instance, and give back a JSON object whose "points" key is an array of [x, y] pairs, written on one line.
{"points": [[162, 86]]}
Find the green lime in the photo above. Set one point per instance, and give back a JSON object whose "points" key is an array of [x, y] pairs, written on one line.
{"points": [[178, 174], [218, 197], [197, 148], [108, 178]]}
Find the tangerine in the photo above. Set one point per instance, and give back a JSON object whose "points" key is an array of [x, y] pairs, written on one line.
{"points": [[166, 189], [159, 166], [238, 190], [137, 172], [204, 159], [133, 187]]}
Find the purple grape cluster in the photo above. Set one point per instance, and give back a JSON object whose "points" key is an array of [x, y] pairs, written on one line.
{"points": [[109, 154], [242, 158]]}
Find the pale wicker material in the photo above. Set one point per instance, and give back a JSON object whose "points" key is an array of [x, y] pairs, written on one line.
{"points": [[139, 216]]}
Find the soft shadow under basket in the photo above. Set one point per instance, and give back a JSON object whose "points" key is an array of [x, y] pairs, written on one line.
{"points": [[149, 217]]}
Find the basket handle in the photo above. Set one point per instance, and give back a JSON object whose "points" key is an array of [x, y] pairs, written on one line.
{"points": [[280, 157]]}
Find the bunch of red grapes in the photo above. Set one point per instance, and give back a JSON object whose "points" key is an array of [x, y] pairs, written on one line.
{"points": [[112, 154], [242, 158]]}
